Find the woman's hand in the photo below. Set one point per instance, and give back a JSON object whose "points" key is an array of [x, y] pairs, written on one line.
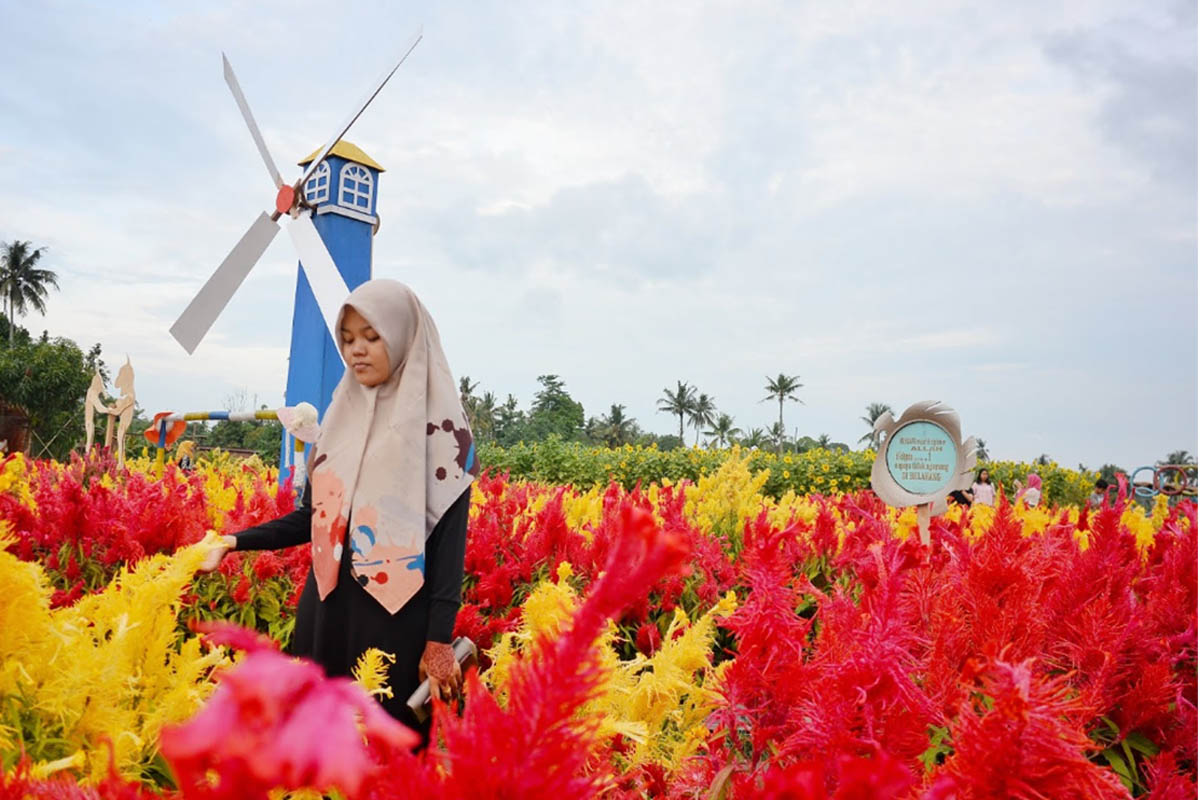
{"points": [[214, 558], [441, 667]]}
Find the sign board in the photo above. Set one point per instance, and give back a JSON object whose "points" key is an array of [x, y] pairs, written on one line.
{"points": [[923, 459]]}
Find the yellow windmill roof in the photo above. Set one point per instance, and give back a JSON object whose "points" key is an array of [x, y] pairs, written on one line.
{"points": [[348, 151]]}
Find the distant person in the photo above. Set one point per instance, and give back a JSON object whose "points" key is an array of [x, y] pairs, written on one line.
{"points": [[982, 490], [1098, 494], [1031, 493]]}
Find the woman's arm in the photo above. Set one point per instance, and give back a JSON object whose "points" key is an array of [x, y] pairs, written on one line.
{"points": [[444, 552], [287, 531]]}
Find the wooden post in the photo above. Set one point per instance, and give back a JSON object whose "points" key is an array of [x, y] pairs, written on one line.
{"points": [[923, 522]]}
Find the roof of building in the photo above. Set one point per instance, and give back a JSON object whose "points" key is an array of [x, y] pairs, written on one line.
{"points": [[348, 151]]}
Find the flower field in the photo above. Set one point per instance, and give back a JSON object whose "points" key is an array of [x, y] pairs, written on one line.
{"points": [[707, 634]]}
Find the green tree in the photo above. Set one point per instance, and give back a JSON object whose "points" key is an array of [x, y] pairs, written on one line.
{"points": [[824, 441], [702, 413], [783, 387], [981, 453], [466, 396], [510, 423], [1178, 457], [617, 429], [874, 412], [49, 379], [483, 424], [755, 439], [554, 411], [678, 403], [723, 433], [778, 435], [23, 284]]}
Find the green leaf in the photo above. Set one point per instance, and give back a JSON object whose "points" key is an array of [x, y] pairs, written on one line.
{"points": [[1143, 745], [1118, 764]]}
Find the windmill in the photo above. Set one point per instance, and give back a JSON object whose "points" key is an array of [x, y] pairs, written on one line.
{"points": [[320, 278]]}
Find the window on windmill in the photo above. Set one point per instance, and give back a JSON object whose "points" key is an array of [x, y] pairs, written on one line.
{"points": [[316, 188], [356, 187]]}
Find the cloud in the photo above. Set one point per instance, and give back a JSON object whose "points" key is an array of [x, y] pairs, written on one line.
{"points": [[990, 204], [1148, 105]]}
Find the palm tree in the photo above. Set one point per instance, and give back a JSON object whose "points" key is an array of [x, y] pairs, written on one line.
{"points": [[756, 438], [874, 412], [22, 283], [616, 428], [778, 435], [722, 432], [1043, 460], [782, 388], [466, 396], [981, 453], [678, 403], [483, 425], [702, 413], [823, 441], [1179, 457]]}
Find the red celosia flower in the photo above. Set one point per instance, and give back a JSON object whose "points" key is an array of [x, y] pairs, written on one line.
{"points": [[648, 638], [1023, 746]]}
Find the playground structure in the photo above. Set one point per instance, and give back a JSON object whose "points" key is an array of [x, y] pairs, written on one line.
{"points": [[1173, 480], [299, 429]]}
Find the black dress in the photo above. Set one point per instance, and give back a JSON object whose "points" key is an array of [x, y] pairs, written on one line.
{"points": [[335, 631]]}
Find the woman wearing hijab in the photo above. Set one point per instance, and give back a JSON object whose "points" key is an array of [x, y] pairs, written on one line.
{"points": [[1031, 494], [386, 504]]}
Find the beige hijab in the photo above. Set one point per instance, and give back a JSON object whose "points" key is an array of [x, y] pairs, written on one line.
{"points": [[392, 458]]}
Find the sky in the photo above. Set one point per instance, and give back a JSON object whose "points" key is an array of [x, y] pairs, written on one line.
{"points": [[989, 204]]}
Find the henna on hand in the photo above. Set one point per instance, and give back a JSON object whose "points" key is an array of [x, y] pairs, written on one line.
{"points": [[439, 661], [440, 665]]}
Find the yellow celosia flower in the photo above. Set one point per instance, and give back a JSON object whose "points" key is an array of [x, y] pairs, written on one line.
{"points": [[723, 501], [658, 703], [371, 672], [111, 667]]}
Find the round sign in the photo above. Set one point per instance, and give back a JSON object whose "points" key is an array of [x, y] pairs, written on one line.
{"points": [[922, 457]]}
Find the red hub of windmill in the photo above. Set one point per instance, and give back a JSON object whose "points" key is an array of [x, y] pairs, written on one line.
{"points": [[285, 199]]}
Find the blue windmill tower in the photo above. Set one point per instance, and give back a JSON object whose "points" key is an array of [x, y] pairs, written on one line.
{"points": [[342, 191], [331, 219]]}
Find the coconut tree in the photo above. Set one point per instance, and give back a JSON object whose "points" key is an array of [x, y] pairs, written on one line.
{"points": [[22, 283], [483, 422], [466, 396], [874, 412], [616, 429], [703, 412], [722, 432], [778, 435], [678, 403], [756, 438], [824, 440], [981, 453], [782, 388], [1179, 457]]}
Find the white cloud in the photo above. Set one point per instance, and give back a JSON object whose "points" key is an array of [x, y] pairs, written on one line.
{"points": [[895, 201]]}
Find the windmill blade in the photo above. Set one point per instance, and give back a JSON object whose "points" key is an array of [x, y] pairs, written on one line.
{"points": [[328, 285], [316, 162], [212, 298], [236, 88]]}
